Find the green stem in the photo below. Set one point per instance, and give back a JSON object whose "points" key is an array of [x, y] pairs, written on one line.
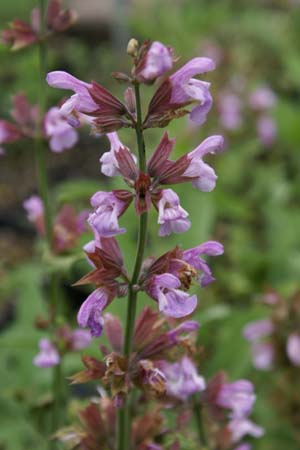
{"points": [[197, 409], [40, 150], [43, 185], [124, 422]]}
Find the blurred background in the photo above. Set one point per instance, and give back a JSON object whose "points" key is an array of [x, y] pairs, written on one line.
{"points": [[254, 210]]}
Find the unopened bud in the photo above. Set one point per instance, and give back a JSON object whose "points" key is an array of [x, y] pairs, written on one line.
{"points": [[132, 47], [121, 77], [130, 100]]}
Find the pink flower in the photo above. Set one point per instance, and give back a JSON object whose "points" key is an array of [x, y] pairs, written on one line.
{"points": [[258, 329], [80, 102], [239, 397], [80, 339], [241, 427], [182, 379], [185, 88], [171, 216], [263, 355], [204, 177], [262, 98], [110, 165], [90, 312], [108, 207], [34, 207], [48, 355], [293, 348], [230, 111], [62, 135], [91, 102], [190, 167], [171, 300], [266, 130], [156, 61], [192, 257], [178, 91]]}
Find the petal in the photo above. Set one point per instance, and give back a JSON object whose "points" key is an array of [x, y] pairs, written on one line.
{"points": [[176, 303], [96, 301], [194, 67], [64, 80], [212, 144]]}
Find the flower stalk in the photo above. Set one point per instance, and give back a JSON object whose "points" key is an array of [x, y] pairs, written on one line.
{"points": [[40, 151], [197, 409], [43, 185], [123, 428]]}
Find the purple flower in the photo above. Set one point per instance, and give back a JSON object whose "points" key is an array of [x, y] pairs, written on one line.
{"points": [[262, 98], [182, 379], [262, 355], [48, 355], [293, 348], [258, 329], [230, 111], [204, 177], [110, 166], [192, 257], [108, 208], [171, 216], [266, 130], [80, 339], [34, 208], [90, 312], [157, 61], [238, 396], [62, 135], [187, 89], [240, 427], [80, 102], [172, 301]]}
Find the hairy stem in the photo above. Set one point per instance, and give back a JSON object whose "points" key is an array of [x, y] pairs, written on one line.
{"points": [[124, 420]]}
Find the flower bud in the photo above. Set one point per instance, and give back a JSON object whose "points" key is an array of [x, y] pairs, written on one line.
{"points": [[132, 47]]}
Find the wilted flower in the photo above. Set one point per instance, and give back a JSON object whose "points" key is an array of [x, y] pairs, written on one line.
{"points": [[48, 355]]}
